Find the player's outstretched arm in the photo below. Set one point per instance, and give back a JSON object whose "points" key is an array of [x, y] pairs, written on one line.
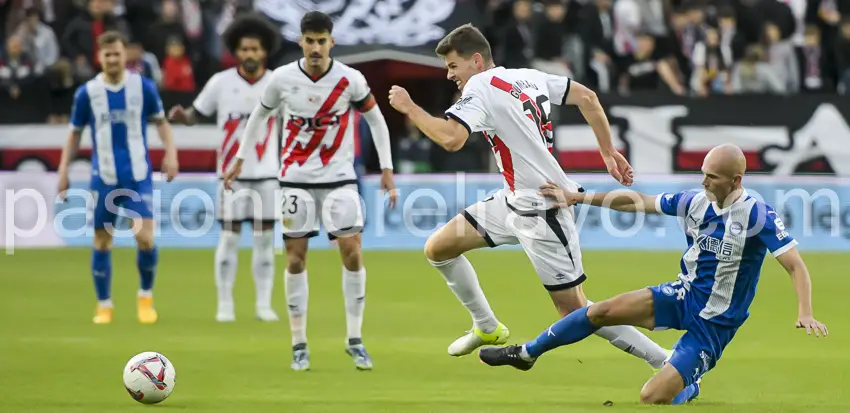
{"points": [[381, 138], [590, 107], [447, 133], [620, 200], [793, 263]]}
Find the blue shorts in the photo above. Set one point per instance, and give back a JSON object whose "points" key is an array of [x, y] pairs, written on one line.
{"points": [[698, 350], [133, 197]]}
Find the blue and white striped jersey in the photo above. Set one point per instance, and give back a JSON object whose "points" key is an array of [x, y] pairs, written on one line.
{"points": [[118, 116], [726, 250]]}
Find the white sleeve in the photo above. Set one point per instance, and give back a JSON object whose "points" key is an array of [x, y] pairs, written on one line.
{"points": [[471, 109], [207, 101], [559, 88], [380, 136], [273, 95], [360, 90]]}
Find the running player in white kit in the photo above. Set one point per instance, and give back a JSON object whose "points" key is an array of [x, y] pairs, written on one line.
{"points": [[232, 95], [511, 108], [317, 173]]}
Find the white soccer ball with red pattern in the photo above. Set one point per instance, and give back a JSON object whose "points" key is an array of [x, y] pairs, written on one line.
{"points": [[149, 377]]}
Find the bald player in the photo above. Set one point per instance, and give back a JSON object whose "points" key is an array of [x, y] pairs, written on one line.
{"points": [[728, 233]]}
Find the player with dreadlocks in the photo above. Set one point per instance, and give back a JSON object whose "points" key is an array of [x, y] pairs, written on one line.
{"points": [[232, 95]]}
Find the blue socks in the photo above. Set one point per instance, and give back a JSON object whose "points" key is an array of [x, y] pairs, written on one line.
{"points": [[686, 394], [568, 330], [101, 271], [146, 261]]}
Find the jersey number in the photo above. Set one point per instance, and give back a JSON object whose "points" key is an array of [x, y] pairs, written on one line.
{"points": [[293, 201], [537, 114]]}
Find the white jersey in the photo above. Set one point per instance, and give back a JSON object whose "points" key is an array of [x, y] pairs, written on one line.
{"points": [[318, 139], [511, 108], [233, 98]]}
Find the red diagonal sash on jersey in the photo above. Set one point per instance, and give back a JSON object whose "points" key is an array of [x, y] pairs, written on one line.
{"points": [[261, 146], [230, 145], [301, 153], [506, 161], [327, 152], [507, 87]]}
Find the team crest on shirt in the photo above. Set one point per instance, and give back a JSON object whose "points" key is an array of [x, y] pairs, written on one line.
{"points": [[736, 228], [462, 101], [314, 99]]}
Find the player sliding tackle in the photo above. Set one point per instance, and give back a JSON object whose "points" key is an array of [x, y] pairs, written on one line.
{"points": [[511, 108], [727, 232], [317, 173]]}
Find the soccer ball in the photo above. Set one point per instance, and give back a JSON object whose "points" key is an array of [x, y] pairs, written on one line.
{"points": [[149, 377]]}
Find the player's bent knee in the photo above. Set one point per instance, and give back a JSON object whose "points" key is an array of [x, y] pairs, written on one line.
{"points": [[102, 240], [599, 313], [651, 395]]}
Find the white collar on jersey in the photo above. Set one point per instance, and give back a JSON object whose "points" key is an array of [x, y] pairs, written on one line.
{"points": [[721, 211], [110, 86]]}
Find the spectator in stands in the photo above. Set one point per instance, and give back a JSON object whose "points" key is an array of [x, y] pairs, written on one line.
{"points": [[549, 41], [177, 70], [38, 38], [781, 57], [813, 61], [597, 33], [842, 56], [753, 75], [414, 151], [168, 27], [643, 71], [517, 44], [712, 62], [143, 62], [79, 40], [730, 36], [17, 69]]}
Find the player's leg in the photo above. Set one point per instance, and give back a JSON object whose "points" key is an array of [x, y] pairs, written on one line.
{"points": [[299, 224], [556, 255], [263, 253], [633, 308], [147, 256], [227, 252], [480, 225], [342, 216], [101, 260]]}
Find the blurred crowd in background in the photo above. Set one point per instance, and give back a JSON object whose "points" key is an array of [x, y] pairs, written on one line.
{"points": [[677, 47], [684, 47]]}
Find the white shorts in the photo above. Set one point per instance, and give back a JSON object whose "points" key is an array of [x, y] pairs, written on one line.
{"points": [[248, 201], [549, 238], [339, 210]]}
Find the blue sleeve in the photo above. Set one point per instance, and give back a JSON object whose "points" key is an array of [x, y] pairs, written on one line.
{"points": [[81, 109], [766, 224], [153, 104], [675, 204]]}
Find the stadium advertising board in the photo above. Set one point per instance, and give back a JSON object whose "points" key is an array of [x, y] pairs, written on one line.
{"points": [[816, 210]]}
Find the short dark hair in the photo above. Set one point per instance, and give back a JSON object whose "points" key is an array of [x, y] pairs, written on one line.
{"points": [[254, 26], [465, 40], [316, 22], [110, 37]]}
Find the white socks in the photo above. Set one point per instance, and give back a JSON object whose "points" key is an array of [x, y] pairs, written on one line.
{"points": [[263, 268], [354, 290], [297, 292], [632, 341], [461, 279], [226, 260]]}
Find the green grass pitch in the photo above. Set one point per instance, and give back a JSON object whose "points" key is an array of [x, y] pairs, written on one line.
{"points": [[55, 360]]}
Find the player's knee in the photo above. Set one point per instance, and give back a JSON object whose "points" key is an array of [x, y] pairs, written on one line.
{"points": [[102, 240], [349, 250], [651, 395], [436, 251], [295, 262], [600, 312]]}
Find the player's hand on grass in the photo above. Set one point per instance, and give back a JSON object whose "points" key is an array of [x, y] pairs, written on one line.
{"points": [[178, 114], [170, 166], [812, 325], [232, 174], [64, 184], [388, 185], [400, 99], [619, 168], [561, 196]]}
